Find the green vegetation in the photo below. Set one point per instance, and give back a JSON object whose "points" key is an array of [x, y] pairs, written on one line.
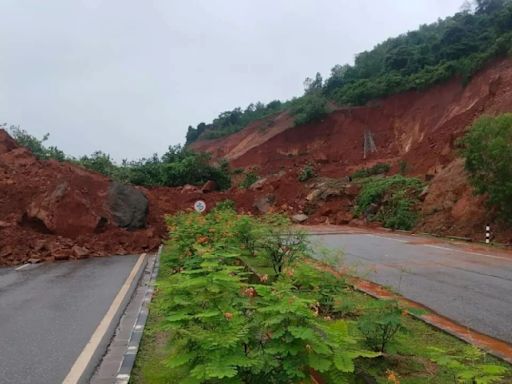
{"points": [[377, 169], [233, 121], [225, 312], [178, 166], [309, 108], [487, 148], [308, 172], [390, 200], [459, 45], [35, 145], [250, 178]]}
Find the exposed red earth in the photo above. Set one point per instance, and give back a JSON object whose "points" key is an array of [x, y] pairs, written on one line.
{"points": [[52, 210], [419, 128]]}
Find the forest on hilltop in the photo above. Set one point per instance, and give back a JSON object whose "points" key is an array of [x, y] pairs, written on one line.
{"points": [[458, 45]]}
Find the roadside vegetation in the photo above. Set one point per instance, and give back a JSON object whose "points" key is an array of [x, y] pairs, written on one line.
{"points": [[487, 148], [239, 300], [391, 200], [177, 167], [459, 46]]}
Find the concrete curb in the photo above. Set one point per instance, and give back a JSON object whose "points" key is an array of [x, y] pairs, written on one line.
{"points": [[495, 347], [85, 366], [489, 344], [128, 360]]}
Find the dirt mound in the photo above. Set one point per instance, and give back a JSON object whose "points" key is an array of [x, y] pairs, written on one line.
{"points": [[53, 210]]}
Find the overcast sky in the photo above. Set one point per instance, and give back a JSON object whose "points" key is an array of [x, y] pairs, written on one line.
{"points": [[128, 77]]}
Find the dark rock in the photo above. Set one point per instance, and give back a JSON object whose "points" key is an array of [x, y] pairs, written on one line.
{"points": [[128, 206]]}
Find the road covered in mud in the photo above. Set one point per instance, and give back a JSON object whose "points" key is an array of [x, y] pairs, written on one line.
{"points": [[470, 286]]}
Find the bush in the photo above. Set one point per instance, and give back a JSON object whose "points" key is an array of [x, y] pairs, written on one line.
{"points": [[380, 323], [250, 179], [308, 108], [306, 173], [377, 169], [487, 149], [36, 146], [223, 329], [395, 199]]}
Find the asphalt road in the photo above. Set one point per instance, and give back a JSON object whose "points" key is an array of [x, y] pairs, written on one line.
{"points": [[48, 313], [472, 288]]}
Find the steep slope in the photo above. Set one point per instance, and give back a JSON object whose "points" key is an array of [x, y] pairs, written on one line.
{"points": [[416, 129]]}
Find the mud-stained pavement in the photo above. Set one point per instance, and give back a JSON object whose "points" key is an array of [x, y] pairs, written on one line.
{"points": [[470, 285]]}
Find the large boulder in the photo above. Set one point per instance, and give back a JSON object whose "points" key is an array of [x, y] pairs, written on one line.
{"points": [[65, 211], [127, 205]]}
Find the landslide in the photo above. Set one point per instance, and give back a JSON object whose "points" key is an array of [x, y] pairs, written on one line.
{"points": [[416, 131], [56, 210]]}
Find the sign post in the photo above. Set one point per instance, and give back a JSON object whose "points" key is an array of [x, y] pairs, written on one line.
{"points": [[200, 206]]}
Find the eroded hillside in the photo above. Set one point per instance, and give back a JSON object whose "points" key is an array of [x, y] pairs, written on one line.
{"points": [[417, 131]]}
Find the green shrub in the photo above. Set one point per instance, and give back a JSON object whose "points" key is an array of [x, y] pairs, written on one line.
{"points": [[487, 149], [396, 198], [306, 173], [225, 205], [468, 367], [377, 169], [36, 146], [308, 108], [380, 323], [250, 178], [225, 330]]}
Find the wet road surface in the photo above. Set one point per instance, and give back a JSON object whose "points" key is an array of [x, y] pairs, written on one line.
{"points": [[49, 311], [472, 288]]}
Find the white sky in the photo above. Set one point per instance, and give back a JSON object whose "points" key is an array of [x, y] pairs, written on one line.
{"points": [[128, 77]]}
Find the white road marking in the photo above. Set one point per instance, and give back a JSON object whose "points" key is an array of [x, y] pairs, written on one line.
{"points": [[468, 253], [388, 238], [22, 266], [80, 365]]}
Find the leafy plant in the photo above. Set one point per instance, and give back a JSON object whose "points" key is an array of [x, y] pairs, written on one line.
{"points": [[250, 178], [487, 148], [377, 169], [468, 368], [225, 330], [284, 247], [380, 323], [306, 173], [36, 146], [308, 108], [393, 201]]}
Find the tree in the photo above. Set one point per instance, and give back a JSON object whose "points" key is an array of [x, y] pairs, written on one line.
{"points": [[313, 85], [487, 149]]}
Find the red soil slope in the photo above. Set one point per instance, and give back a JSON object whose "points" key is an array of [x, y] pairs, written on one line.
{"points": [[52, 210], [419, 128]]}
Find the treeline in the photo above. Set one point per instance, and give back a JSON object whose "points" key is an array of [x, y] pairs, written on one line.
{"points": [[177, 167], [233, 121], [459, 45]]}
